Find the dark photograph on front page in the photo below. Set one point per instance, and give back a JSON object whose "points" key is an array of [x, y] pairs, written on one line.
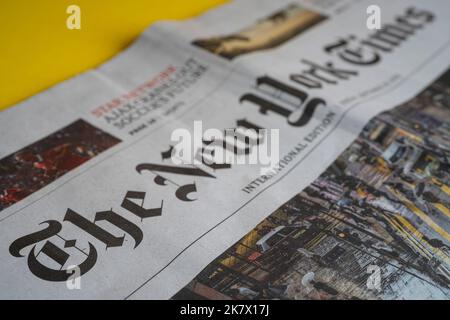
{"points": [[381, 206], [264, 34], [35, 166]]}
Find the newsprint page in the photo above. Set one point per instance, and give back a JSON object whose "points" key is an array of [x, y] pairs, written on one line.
{"points": [[263, 150]]}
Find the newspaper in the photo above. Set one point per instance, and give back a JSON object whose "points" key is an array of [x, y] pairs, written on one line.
{"points": [[98, 202]]}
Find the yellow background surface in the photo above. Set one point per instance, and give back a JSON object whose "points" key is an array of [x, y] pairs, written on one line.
{"points": [[37, 50]]}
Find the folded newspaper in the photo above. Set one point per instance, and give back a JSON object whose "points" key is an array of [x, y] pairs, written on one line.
{"points": [[264, 150]]}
